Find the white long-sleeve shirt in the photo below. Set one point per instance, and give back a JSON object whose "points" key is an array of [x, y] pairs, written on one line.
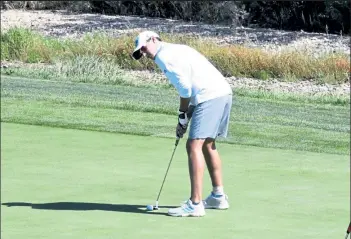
{"points": [[191, 73]]}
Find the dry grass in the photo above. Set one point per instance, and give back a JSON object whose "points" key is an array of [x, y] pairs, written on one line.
{"points": [[27, 46]]}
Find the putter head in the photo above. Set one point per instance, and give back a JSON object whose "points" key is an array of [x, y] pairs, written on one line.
{"points": [[155, 207]]}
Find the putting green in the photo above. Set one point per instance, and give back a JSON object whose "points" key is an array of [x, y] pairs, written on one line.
{"points": [[63, 183]]}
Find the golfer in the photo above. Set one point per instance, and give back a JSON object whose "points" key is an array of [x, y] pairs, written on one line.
{"points": [[205, 100]]}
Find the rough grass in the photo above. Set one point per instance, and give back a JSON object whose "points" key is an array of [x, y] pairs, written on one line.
{"points": [[95, 69], [145, 111], [82, 68], [28, 46]]}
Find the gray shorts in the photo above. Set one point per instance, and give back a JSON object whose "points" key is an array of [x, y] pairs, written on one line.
{"points": [[210, 119]]}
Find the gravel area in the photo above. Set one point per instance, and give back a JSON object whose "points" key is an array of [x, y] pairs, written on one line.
{"points": [[72, 25]]}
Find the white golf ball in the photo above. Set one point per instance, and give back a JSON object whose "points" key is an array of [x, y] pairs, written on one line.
{"points": [[149, 207]]}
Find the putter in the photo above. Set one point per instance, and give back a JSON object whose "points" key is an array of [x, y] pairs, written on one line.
{"points": [[348, 231], [164, 179]]}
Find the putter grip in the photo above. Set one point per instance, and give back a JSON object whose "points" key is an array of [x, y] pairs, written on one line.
{"points": [[177, 141]]}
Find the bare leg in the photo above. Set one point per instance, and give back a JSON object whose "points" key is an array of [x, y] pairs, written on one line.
{"points": [[213, 162], [196, 167]]}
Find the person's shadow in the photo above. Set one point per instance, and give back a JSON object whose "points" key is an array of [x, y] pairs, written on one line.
{"points": [[85, 206]]}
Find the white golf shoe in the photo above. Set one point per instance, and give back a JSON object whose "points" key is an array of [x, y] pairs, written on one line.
{"points": [[216, 202], [188, 209]]}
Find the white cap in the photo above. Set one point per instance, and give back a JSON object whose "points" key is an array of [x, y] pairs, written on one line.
{"points": [[141, 41]]}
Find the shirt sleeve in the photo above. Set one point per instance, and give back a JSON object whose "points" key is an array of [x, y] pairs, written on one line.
{"points": [[178, 74]]}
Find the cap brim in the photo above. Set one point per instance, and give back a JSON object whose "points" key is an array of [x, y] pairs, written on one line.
{"points": [[137, 54]]}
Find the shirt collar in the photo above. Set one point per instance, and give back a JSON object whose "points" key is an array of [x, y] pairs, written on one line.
{"points": [[161, 45]]}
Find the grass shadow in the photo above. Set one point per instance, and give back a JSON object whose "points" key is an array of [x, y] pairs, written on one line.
{"points": [[84, 206]]}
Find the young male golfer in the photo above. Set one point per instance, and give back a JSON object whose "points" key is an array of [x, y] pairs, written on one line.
{"points": [[207, 96]]}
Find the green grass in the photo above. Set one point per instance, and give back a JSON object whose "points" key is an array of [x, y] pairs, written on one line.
{"points": [[145, 111], [91, 69], [333, 99], [64, 183], [85, 69], [61, 182], [28, 46]]}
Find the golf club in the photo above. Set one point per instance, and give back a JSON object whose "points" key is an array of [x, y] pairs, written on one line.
{"points": [[164, 179], [348, 231]]}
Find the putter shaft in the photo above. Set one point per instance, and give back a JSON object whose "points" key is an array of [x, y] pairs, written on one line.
{"points": [[164, 179]]}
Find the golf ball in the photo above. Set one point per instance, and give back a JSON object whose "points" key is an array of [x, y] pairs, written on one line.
{"points": [[149, 207]]}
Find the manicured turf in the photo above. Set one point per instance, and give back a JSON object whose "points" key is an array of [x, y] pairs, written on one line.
{"points": [[64, 183]]}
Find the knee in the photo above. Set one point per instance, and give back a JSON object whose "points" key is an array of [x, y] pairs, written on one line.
{"points": [[194, 145]]}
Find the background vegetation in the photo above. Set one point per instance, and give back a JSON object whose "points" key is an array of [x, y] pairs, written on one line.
{"points": [[28, 46], [318, 16]]}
